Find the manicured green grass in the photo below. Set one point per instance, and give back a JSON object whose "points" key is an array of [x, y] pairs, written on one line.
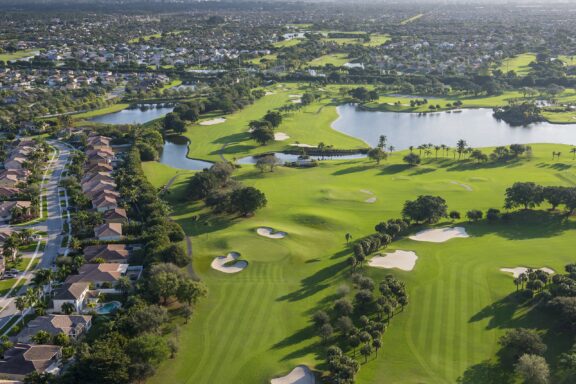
{"points": [[172, 84], [387, 102], [16, 55], [411, 19], [145, 38], [258, 60], [102, 111], [518, 64], [335, 59], [160, 174], [287, 43], [568, 60], [310, 125], [255, 325], [375, 40]]}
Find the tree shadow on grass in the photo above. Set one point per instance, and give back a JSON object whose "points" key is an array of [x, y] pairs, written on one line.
{"points": [[315, 283], [555, 166], [394, 169], [501, 313], [298, 337], [422, 171], [234, 138], [523, 225], [486, 372], [354, 169], [234, 149]]}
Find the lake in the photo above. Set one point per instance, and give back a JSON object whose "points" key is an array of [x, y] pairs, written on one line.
{"points": [[476, 126], [174, 155], [134, 116]]}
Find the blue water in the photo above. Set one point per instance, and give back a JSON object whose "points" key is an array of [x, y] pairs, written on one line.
{"points": [[133, 116]]}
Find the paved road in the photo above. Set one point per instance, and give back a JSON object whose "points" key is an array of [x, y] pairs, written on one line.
{"points": [[52, 225]]}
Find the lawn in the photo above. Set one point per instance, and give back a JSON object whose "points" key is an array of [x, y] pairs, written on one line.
{"points": [[310, 125], [255, 325], [265, 58], [388, 102], [375, 40], [17, 55], [411, 19], [518, 64], [287, 43], [569, 60], [102, 111], [335, 59]]}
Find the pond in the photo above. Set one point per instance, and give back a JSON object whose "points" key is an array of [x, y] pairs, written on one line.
{"points": [[174, 154], [476, 126], [140, 115]]}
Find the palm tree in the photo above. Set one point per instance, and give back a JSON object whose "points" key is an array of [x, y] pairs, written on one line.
{"points": [[517, 282], [437, 148], [573, 152], [376, 343], [43, 277], [391, 149], [21, 303], [411, 148], [382, 142], [461, 147], [68, 308], [348, 237]]}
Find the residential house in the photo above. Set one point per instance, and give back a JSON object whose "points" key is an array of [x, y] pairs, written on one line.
{"points": [[71, 325], [116, 215], [8, 208], [8, 192], [75, 293], [101, 276], [24, 359], [104, 202], [109, 232], [110, 253]]}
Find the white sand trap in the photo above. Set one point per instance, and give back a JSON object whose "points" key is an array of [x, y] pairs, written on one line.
{"points": [[303, 145], [520, 270], [440, 235], [220, 262], [299, 375], [281, 136], [404, 260], [294, 96], [369, 200], [465, 186], [218, 120], [270, 233], [269, 94], [297, 101]]}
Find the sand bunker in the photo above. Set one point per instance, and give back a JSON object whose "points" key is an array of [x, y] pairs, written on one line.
{"points": [[440, 235], [281, 136], [369, 200], [303, 145], [297, 101], [403, 260], [270, 233], [294, 96], [299, 375], [465, 186], [520, 270], [269, 94], [218, 120], [223, 263]]}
